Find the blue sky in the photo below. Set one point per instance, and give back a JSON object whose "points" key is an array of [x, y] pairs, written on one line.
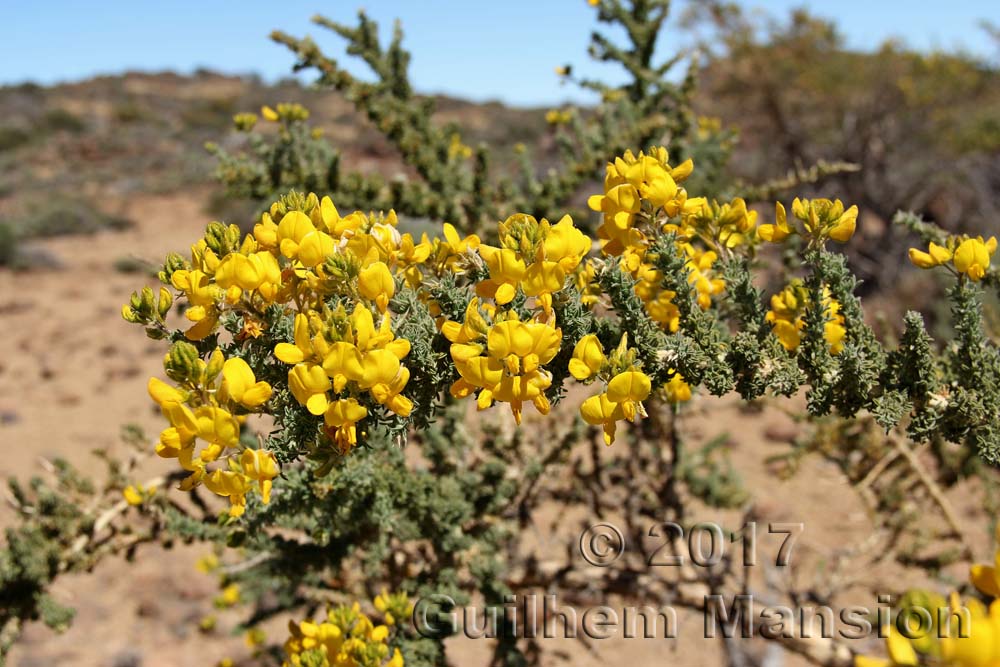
{"points": [[476, 48]]}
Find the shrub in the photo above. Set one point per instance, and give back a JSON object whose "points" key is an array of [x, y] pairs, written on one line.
{"points": [[322, 376]]}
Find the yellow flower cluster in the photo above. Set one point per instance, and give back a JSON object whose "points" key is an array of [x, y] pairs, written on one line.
{"points": [[534, 256], [497, 352], [643, 198], [559, 116], [820, 219], [394, 607], [788, 308], [286, 111], [325, 295], [346, 638], [348, 355], [205, 410], [626, 385], [969, 257], [501, 357]]}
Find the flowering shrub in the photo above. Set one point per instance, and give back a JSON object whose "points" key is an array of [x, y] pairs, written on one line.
{"points": [[304, 352]]}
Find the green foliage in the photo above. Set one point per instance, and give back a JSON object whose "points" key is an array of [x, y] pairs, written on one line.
{"points": [[37, 551]]}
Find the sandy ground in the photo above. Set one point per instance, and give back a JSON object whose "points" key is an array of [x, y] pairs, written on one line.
{"points": [[72, 373]]}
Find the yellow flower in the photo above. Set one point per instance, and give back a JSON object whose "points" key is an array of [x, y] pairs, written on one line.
{"points": [[309, 384], [780, 230], [203, 296], [269, 114], [393, 606], [969, 256], [240, 385], [727, 224], [503, 360], [137, 494], [299, 239], [346, 638], [376, 284], [628, 182], [627, 386], [786, 317], [229, 596], [629, 389], [457, 149], [255, 637], [506, 272], [701, 275], [341, 420], [207, 563], [825, 219], [385, 377], [588, 358], [230, 484], [600, 411], [935, 256], [558, 116], [972, 257], [266, 232], [535, 256], [447, 254], [346, 353], [257, 272], [901, 652], [986, 578], [979, 644], [677, 390], [260, 466]]}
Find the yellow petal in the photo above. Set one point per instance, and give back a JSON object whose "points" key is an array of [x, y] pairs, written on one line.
{"points": [[314, 248], [629, 386], [901, 651], [597, 409], [288, 353], [984, 578], [921, 259], [162, 393]]}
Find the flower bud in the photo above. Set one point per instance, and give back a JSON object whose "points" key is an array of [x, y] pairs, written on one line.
{"points": [[165, 301]]}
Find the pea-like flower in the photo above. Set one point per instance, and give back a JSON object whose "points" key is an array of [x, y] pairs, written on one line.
{"points": [[788, 309], [503, 360], [627, 386], [821, 219], [534, 256], [376, 284], [780, 230], [936, 255], [972, 257]]}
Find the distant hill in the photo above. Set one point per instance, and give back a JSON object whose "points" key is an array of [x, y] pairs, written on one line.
{"points": [[70, 145]]}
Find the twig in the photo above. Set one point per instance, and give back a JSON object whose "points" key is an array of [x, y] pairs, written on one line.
{"points": [[935, 492]]}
